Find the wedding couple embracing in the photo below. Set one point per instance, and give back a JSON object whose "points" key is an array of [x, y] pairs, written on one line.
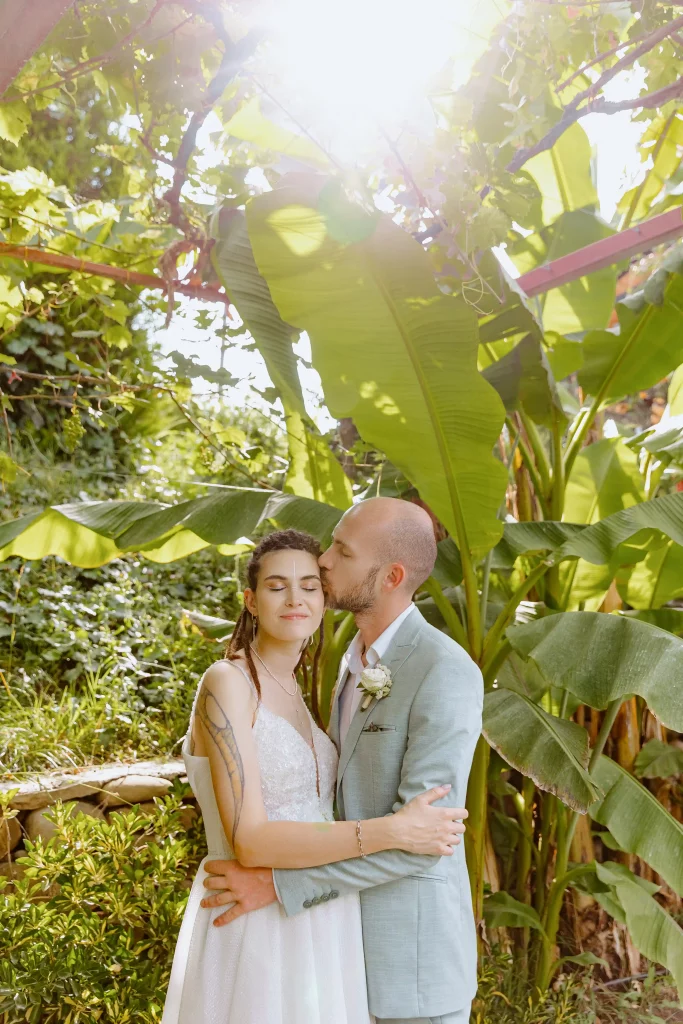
{"points": [[361, 916]]}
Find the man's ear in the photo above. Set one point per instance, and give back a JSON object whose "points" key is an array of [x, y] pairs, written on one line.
{"points": [[395, 576]]}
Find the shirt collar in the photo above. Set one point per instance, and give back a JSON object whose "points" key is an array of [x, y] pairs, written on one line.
{"points": [[378, 649]]}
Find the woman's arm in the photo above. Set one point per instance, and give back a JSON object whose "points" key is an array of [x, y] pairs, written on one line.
{"points": [[224, 714]]}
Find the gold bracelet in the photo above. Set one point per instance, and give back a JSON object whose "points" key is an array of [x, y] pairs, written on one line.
{"points": [[359, 837]]}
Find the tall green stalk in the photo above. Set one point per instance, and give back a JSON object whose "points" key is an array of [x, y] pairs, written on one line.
{"points": [[448, 612], [335, 644], [475, 835], [566, 825]]}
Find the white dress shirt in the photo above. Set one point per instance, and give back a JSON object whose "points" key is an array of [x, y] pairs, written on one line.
{"points": [[350, 695]]}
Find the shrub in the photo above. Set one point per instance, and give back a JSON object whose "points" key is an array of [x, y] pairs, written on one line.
{"points": [[88, 932]]}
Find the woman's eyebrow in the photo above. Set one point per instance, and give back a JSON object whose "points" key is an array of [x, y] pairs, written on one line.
{"points": [[274, 576]]}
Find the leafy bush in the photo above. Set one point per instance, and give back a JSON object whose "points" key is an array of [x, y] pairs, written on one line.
{"points": [[101, 664], [504, 997], [88, 932]]}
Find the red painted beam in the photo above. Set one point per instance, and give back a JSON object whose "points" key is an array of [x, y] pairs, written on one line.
{"points": [[24, 27], [647, 235]]}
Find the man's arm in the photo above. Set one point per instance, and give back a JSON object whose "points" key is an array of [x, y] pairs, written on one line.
{"points": [[444, 725]]}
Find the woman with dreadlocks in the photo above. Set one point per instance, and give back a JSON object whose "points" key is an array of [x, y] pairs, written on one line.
{"points": [[264, 775]]}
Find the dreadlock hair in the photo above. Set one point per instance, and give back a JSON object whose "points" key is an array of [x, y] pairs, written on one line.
{"points": [[240, 641]]}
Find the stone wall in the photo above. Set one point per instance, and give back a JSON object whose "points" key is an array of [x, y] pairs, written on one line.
{"points": [[94, 791]]}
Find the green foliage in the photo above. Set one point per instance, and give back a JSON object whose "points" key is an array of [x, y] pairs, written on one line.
{"points": [[391, 301], [84, 934], [626, 657], [553, 752], [638, 821], [434, 413], [103, 664], [657, 760]]}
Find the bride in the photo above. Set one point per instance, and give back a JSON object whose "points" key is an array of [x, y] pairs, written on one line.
{"points": [[264, 775]]}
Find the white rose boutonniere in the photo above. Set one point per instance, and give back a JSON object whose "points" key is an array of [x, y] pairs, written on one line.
{"points": [[375, 683]]}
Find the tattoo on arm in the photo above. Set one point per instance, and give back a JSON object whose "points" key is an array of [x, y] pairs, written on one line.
{"points": [[220, 730]]}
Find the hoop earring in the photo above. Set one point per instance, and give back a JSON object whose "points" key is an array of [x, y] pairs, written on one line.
{"points": [[254, 627]]}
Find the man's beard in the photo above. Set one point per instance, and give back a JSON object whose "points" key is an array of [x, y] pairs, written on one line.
{"points": [[360, 598]]}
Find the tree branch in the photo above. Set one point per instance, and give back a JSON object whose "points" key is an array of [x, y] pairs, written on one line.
{"points": [[596, 60], [596, 106], [644, 46], [232, 60], [93, 62], [132, 277]]}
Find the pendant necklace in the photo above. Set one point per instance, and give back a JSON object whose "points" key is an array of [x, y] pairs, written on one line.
{"points": [[290, 693]]}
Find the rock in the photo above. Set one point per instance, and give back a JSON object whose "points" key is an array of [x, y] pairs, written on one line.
{"points": [[133, 789], [36, 824], [188, 813], [49, 788], [10, 834], [10, 869]]}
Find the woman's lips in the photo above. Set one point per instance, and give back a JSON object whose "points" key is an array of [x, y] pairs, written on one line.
{"points": [[294, 616]]}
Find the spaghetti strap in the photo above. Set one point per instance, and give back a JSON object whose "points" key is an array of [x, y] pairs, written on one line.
{"points": [[248, 678]]}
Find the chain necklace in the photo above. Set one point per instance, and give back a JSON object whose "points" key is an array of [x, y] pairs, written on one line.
{"points": [[291, 693], [311, 745]]}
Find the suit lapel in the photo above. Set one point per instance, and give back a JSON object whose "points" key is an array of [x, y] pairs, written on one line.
{"points": [[333, 728], [401, 647]]}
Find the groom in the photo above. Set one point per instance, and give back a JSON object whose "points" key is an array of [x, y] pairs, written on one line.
{"points": [[418, 927]]}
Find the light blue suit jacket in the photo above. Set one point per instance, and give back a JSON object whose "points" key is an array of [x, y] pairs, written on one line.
{"points": [[418, 926]]}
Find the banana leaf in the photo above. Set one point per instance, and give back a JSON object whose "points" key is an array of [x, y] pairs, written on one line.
{"points": [[649, 345], [523, 378], [313, 470], [599, 542], [92, 533], [394, 353], [670, 619], [638, 821], [604, 479], [655, 580], [501, 910], [658, 760], [581, 305], [602, 657], [675, 394], [551, 751], [653, 931]]}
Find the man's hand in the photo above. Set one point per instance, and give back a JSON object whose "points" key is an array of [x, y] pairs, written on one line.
{"points": [[248, 888]]}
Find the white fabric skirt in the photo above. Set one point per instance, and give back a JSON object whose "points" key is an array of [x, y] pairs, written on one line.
{"points": [[267, 968]]}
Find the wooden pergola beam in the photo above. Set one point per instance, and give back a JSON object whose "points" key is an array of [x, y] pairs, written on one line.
{"points": [[132, 277], [666, 227], [24, 27]]}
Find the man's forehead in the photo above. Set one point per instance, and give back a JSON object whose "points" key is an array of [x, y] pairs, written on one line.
{"points": [[352, 527]]}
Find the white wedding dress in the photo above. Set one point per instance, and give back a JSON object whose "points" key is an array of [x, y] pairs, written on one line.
{"points": [[265, 967]]}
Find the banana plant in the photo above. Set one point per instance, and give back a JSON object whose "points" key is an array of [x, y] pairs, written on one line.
{"points": [[468, 409]]}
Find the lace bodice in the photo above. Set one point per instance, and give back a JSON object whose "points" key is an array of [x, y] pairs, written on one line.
{"points": [[288, 775]]}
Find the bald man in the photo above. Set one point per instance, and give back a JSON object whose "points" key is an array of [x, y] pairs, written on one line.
{"points": [[418, 928]]}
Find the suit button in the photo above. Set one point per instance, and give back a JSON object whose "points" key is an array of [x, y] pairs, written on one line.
{"points": [[325, 897], [315, 900], [307, 904], [334, 894]]}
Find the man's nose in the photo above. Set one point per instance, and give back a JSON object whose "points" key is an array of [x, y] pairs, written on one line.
{"points": [[323, 559]]}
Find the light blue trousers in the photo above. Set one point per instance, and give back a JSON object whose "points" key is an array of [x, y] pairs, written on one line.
{"points": [[459, 1017]]}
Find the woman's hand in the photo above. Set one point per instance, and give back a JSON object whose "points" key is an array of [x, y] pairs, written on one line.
{"points": [[421, 828]]}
